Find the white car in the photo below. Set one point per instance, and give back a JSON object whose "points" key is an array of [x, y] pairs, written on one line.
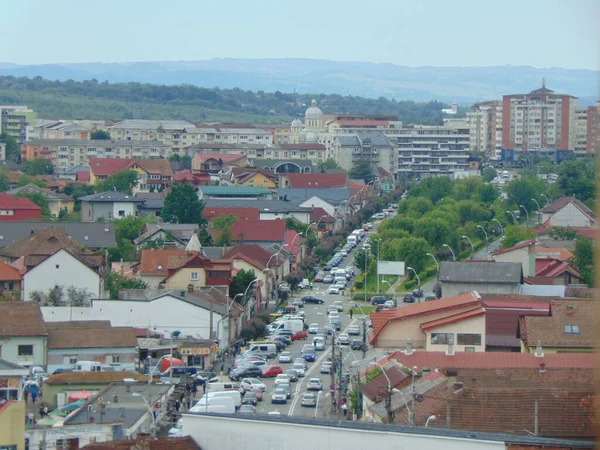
{"points": [[313, 328], [378, 216], [282, 378], [344, 339], [353, 330], [339, 305], [285, 357], [249, 384], [389, 304], [333, 290], [300, 368], [314, 384]]}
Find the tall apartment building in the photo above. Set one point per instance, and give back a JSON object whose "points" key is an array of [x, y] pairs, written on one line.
{"points": [[176, 134], [17, 121], [374, 147], [432, 150], [233, 134], [66, 153]]}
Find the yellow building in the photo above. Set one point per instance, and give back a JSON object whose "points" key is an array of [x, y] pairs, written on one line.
{"points": [[249, 176], [12, 425]]}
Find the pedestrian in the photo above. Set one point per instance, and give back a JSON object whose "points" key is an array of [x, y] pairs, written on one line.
{"points": [[273, 294], [41, 411], [26, 395], [177, 405], [33, 396], [351, 313], [344, 409], [45, 410]]}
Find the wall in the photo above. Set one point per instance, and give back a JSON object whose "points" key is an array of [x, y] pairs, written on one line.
{"points": [[10, 350], [90, 212], [12, 425], [452, 289], [316, 202], [252, 434], [19, 215], [50, 391], [302, 217], [152, 280], [397, 332], [475, 325], [182, 279], [240, 264], [86, 434], [525, 256], [571, 216], [127, 357], [70, 272]]}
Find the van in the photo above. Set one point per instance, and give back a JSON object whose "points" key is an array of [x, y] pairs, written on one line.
{"points": [[339, 273], [213, 400], [235, 396], [268, 350], [293, 325], [88, 366], [352, 240], [212, 386], [222, 408]]}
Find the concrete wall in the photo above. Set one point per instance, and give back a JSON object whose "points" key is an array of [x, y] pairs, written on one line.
{"points": [[452, 289], [254, 434], [475, 325], [525, 256], [61, 269], [240, 264], [10, 350], [183, 278], [86, 434], [92, 211], [59, 358], [302, 217], [12, 425], [570, 216], [50, 391]]}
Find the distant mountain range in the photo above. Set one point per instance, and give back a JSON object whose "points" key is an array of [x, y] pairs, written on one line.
{"points": [[464, 85]]}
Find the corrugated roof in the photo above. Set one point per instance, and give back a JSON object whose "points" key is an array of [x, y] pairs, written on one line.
{"points": [[94, 377], [110, 197], [516, 247], [64, 335], [163, 443], [232, 191], [9, 273], [317, 180]]}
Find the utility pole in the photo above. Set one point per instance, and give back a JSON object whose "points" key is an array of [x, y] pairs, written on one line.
{"points": [[364, 338], [210, 336], [333, 371], [366, 271]]}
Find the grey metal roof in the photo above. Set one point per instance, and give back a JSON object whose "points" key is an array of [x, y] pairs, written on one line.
{"points": [[335, 196], [110, 196], [180, 230], [32, 188], [89, 234], [264, 206], [7, 365], [96, 143], [74, 170], [198, 298], [363, 138], [143, 124], [152, 200], [9, 164], [481, 272], [543, 290], [215, 252]]}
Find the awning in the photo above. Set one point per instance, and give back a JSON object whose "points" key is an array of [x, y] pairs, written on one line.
{"points": [[82, 395]]}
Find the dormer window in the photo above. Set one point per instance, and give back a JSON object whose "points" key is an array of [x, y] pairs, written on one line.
{"points": [[572, 330]]}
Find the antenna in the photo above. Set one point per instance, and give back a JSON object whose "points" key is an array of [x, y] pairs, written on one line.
{"points": [[543, 82]]}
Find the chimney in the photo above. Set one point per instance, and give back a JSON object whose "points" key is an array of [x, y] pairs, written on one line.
{"points": [[474, 383], [450, 351], [409, 347], [542, 368], [539, 353]]}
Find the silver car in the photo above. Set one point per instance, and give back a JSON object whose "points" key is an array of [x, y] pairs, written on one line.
{"points": [[285, 357], [309, 400], [314, 384]]}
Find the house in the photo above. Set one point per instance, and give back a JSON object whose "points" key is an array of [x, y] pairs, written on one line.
{"points": [[92, 235], [170, 234], [568, 212], [557, 273], [12, 379], [165, 311], [57, 388], [242, 261], [269, 209], [72, 173], [108, 205], [23, 333], [48, 258], [189, 177], [280, 166], [457, 321], [277, 261], [217, 162], [323, 222], [101, 168], [12, 425], [523, 252], [15, 209], [234, 192], [483, 277], [10, 282], [183, 270], [163, 443], [377, 389], [153, 174], [260, 232], [69, 342], [213, 212], [250, 176], [570, 328], [331, 197], [153, 203], [56, 202], [314, 180]]}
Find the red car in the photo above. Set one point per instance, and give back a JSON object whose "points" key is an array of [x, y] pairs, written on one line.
{"points": [[272, 371], [299, 335]]}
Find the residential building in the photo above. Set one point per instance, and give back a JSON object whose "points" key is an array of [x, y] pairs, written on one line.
{"points": [[272, 260], [12, 425], [17, 121], [570, 328], [324, 223], [234, 192], [425, 151], [108, 206], [66, 153], [523, 253], [484, 277], [177, 234], [76, 173], [280, 132], [163, 443], [568, 212], [374, 147], [16, 209], [61, 130], [56, 202], [10, 282], [314, 180], [268, 209], [153, 203], [58, 388], [153, 174], [12, 380], [482, 133], [23, 333], [216, 162], [356, 123], [92, 235], [195, 179], [69, 342], [2, 151], [249, 176], [174, 134], [260, 232], [233, 134], [457, 321], [242, 213], [279, 166]]}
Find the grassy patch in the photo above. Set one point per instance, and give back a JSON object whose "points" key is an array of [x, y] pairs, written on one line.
{"points": [[365, 309]]}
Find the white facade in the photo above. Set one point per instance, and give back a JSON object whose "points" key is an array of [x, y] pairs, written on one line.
{"points": [[467, 336], [302, 217], [61, 269], [569, 216], [16, 350]]}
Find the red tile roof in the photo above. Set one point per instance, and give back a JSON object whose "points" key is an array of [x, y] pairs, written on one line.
{"points": [[561, 254], [316, 215], [106, 167], [317, 180], [382, 318], [9, 202], [516, 247], [292, 242], [254, 262], [253, 251], [259, 230], [163, 443], [83, 177], [362, 123], [161, 262], [8, 273], [102, 167], [210, 212], [557, 269], [590, 233], [452, 319], [187, 175], [21, 319], [302, 146], [377, 388], [495, 360]]}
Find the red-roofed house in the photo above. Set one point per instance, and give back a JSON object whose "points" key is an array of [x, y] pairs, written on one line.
{"points": [[211, 212], [556, 273], [269, 258], [217, 162], [322, 221], [458, 320], [195, 179], [83, 177], [10, 281], [153, 174], [313, 180], [15, 209], [261, 232]]}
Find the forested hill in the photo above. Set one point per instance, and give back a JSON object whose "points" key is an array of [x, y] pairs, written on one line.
{"points": [[116, 101]]}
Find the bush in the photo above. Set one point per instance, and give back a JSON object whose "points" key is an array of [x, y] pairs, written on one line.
{"points": [[256, 329]]}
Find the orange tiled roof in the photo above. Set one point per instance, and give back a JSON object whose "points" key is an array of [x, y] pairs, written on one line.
{"points": [[452, 319]]}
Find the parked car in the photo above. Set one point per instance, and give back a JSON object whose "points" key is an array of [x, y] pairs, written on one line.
{"points": [[389, 304], [328, 278], [313, 299], [369, 225], [378, 300], [272, 371], [365, 227], [319, 277], [354, 330], [313, 328], [300, 368], [298, 303], [299, 335], [333, 290], [314, 384], [250, 398], [430, 298], [285, 357], [378, 216], [417, 293], [247, 409], [339, 305], [245, 371], [309, 400], [408, 298]]}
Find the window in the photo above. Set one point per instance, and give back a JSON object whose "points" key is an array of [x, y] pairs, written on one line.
{"points": [[469, 339], [70, 359], [469, 349], [58, 266], [194, 276], [25, 350], [442, 338], [121, 213], [116, 359], [572, 330]]}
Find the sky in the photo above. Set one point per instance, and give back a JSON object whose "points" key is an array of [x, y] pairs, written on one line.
{"points": [[539, 33]]}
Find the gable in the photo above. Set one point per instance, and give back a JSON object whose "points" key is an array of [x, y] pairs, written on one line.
{"points": [[571, 215], [60, 258]]}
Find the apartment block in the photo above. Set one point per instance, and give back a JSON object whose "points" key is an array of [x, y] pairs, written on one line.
{"points": [[234, 134], [66, 153], [374, 147], [176, 134], [54, 129], [17, 121], [307, 151]]}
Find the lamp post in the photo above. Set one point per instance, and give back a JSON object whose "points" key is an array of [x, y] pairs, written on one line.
{"points": [[547, 199], [525, 209], [418, 279], [430, 419], [470, 243], [388, 400], [500, 225], [377, 267], [437, 265], [451, 251], [318, 222], [150, 411], [537, 204], [513, 216], [390, 285], [366, 271], [292, 244], [486, 239]]}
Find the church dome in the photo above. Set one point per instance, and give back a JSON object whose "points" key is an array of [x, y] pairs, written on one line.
{"points": [[296, 123], [314, 112]]}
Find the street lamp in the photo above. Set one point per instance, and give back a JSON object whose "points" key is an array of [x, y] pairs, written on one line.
{"points": [[470, 243], [526, 212], [450, 248], [437, 265], [153, 426], [339, 206], [486, 240], [388, 400], [513, 216], [418, 279], [537, 204], [547, 199], [500, 225], [430, 419], [390, 285], [377, 268]]}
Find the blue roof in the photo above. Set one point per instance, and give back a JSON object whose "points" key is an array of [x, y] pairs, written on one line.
{"points": [[234, 191], [335, 196]]}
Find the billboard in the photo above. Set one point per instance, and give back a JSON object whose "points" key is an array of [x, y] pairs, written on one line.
{"points": [[390, 268]]}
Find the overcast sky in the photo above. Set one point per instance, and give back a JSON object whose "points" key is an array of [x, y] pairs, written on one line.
{"points": [[540, 33]]}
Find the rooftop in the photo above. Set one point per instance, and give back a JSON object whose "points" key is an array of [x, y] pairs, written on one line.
{"points": [[144, 124], [21, 319], [234, 191], [163, 443], [317, 180], [110, 197], [95, 377], [559, 204], [162, 262], [89, 234], [265, 206], [259, 230], [477, 272], [204, 298], [65, 335], [7, 201], [453, 319], [253, 251], [210, 213], [334, 196]]}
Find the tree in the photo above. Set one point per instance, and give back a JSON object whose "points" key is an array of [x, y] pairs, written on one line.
{"points": [[186, 162], [487, 193], [563, 234], [123, 182], [488, 174], [413, 251], [38, 198], [436, 232], [359, 259], [39, 166], [434, 189], [55, 296], [78, 296], [4, 180], [523, 190], [204, 237], [514, 234], [362, 170], [583, 259], [25, 179], [240, 283], [182, 205], [115, 282], [577, 178], [100, 135], [12, 147], [329, 163], [223, 222]]}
